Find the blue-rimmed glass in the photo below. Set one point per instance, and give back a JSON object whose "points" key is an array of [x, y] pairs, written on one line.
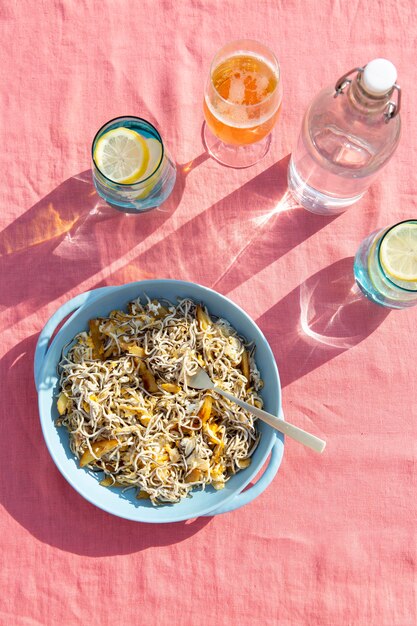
{"points": [[148, 192], [374, 281]]}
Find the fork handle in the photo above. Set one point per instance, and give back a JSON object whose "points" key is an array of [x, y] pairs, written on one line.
{"points": [[300, 435]]}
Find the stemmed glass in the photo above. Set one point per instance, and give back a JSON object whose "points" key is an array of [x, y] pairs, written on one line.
{"points": [[241, 103]]}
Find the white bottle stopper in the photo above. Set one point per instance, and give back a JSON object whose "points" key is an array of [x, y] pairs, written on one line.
{"points": [[379, 77]]}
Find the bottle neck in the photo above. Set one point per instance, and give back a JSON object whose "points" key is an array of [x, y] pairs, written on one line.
{"points": [[365, 102]]}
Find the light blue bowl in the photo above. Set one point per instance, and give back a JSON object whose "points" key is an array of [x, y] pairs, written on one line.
{"points": [[100, 302]]}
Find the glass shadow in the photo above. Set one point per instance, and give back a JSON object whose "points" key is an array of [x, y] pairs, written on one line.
{"points": [[323, 317]]}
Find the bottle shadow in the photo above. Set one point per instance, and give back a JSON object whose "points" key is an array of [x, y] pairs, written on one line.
{"points": [[70, 235], [38, 497], [247, 240], [323, 317]]}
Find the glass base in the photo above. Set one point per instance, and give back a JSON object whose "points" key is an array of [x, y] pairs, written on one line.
{"points": [[235, 156], [151, 198], [313, 200], [128, 209]]}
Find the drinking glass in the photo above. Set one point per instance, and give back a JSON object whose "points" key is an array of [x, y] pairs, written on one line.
{"points": [[242, 102], [373, 277], [154, 187]]}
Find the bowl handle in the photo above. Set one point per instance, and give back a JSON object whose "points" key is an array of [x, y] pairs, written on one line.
{"points": [[244, 497], [48, 330]]}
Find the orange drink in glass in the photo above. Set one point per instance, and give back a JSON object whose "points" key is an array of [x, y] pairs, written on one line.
{"points": [[242, 103]]}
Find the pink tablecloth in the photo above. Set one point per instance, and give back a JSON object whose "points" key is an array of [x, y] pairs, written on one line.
{"points": [[333, 540]]}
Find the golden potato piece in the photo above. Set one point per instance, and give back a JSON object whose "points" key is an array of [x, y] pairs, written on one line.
{"points": [[218, 451], [193, 476], [203, 318], [217, 471], [173, 453], [148, 378], [96, 337], [132, 409], [136, 350], [211, 434], [106, 482], [108, 328], [171, 388], [143, 495], [62, 403], [162, 312], [132, 348], [111, 351], [205, 410], [245, 366], [244, 463], [99, 448]]}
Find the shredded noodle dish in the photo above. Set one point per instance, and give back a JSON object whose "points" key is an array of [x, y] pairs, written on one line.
{"points": [[125, 401]]}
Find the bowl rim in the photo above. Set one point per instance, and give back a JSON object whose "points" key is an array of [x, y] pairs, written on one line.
{"points": [[46, 424]]}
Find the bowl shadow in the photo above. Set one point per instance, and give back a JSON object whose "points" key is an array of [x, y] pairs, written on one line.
{"points": [[39, 498]]}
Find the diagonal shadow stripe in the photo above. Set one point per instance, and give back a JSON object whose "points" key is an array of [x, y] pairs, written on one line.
{"points": [[249, 234], [321, 318]]}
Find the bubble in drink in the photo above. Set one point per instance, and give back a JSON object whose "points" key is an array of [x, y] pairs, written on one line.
{"points": [[242, 108]]}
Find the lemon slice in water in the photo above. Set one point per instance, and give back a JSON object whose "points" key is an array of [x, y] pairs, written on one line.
{"points": [[398, 252], [122, 155], [155, 154]]}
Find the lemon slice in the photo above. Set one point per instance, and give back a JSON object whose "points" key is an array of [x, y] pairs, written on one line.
{"points": [[155, 154], [398, 252], [122, 155], [371, 264]]}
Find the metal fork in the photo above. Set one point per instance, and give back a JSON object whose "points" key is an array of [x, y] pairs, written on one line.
{"points": [[201, 380]]}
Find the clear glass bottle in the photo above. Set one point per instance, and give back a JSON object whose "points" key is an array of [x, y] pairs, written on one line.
{"points": [[349, 132]]}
